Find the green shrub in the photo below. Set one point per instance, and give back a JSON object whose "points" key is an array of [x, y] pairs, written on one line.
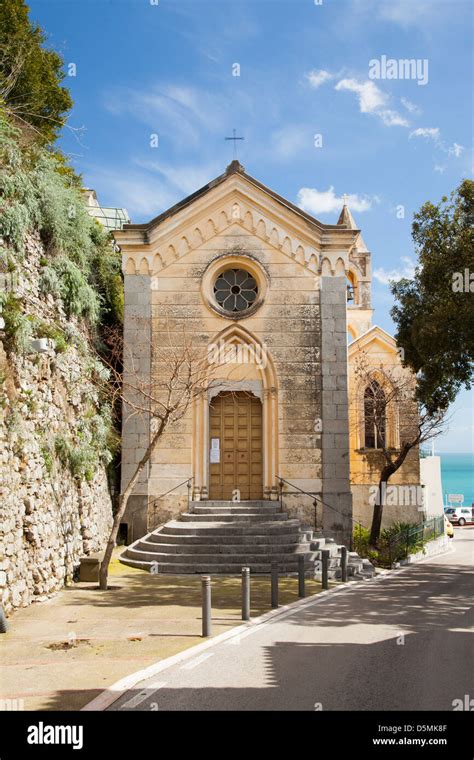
{"points": [[81, 460], [54, 332], [47, 458], [18, 326], [37, 195], [392, 545], [49, 281]]}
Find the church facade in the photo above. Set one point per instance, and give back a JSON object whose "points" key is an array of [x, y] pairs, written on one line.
{"points": [[242, 272]]}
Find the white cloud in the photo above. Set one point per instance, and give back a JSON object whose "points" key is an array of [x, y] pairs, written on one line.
{"points": [[434, 134], [411, 107], [317, 77], [392, 118], [386, 276], [428, 133], [326, 201], [373, 100], [455, 150], [370, 96]]}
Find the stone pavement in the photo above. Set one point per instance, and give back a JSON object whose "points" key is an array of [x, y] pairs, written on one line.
{"points": [[61, 653]]}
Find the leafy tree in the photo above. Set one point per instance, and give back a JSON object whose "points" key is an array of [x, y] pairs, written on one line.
{"points": [[30, 74], [435, 310]]}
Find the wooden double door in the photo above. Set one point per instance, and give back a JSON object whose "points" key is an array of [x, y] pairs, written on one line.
{"points": [[235, 446]]}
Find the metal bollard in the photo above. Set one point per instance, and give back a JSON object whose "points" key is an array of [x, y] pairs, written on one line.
{"points": [[344, 564], [245, 593], [206, 605], [325, 567], [274, 593], [3, 621], [301, 576]]}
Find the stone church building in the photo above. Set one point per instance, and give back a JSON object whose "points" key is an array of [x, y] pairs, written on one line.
{"points": [[235, 265]]}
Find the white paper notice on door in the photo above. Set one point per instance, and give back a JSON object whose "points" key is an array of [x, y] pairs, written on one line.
{"points": [[215, 453]]}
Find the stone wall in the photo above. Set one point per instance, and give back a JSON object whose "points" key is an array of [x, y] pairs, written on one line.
{"points": [[48, 517], [337, 512]]}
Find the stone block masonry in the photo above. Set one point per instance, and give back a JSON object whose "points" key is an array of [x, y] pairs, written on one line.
{"points": [[48, 517], [337, 512]]}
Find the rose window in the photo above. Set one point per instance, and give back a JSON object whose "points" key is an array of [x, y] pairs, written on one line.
{"points": [[235, 290]]}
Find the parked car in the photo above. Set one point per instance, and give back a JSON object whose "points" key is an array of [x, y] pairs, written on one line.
{"points": [[448, 528], [460, 515]]}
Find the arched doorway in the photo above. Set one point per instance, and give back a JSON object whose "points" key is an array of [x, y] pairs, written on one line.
{"points": [[255, 378], [235, 446]]}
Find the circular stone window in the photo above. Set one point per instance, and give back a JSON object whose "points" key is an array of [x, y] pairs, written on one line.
{"points": [[235, 290]]}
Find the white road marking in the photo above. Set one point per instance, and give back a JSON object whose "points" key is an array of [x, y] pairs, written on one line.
{"points": [[142, 695], [197, 661]]}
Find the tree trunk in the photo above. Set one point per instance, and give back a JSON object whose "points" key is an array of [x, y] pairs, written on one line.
{"points": [[122, 504], [386, 473], [376, 526]]}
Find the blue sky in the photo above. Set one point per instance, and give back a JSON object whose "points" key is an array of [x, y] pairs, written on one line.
{"points": [[167, 69]]}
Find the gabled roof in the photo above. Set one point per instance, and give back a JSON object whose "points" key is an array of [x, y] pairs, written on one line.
{"points": [[374, 333], [233, 168]]}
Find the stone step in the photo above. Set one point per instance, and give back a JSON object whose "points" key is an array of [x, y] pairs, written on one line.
{"points": [[269, 539], [216, 559], [331, 548], [183, 528], [222, 504], [226, 568], [333, 563], [318, 543], [237, 510], [234, 518], [333, 575], [206, 548]]}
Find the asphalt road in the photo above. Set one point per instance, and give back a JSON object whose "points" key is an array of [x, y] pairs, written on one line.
{"points": [[400, 642]]}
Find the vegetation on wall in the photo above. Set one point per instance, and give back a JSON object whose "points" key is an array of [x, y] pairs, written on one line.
{"points": [[80, 264], [80, 268]]}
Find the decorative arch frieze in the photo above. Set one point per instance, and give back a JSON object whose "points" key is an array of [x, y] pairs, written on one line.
{"points": [[234, 213]]}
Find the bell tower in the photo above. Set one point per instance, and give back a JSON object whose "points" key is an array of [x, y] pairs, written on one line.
{"points": [[359, 286]]}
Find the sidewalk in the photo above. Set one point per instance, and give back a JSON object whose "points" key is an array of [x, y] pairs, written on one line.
{"points": [[61, 653]]}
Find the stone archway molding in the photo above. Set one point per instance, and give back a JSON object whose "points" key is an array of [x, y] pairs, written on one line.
{"points": [[264, 387]]}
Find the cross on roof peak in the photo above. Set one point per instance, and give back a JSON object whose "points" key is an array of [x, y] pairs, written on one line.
{"points": [[234, 139]]}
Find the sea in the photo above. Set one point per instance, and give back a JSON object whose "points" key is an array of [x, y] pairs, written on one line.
{"points": [[457, 475]]}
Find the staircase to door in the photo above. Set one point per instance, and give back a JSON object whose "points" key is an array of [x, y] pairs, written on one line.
{"points": [[222, 537]]}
